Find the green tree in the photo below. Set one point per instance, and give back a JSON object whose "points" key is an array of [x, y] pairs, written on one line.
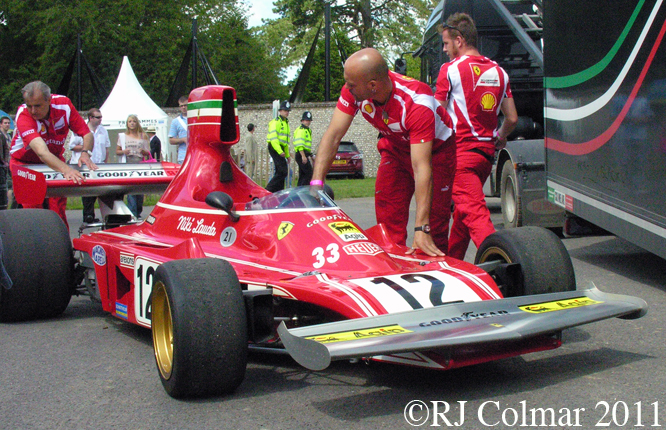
{"points": [[41, 39]]}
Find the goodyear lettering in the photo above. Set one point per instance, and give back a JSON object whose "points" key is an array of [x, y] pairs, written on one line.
{"points": [[326, 218], [131, 174], [465, 316], [27, 175]]}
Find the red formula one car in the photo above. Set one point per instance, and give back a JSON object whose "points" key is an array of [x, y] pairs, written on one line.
{"points": [[220, 264]]}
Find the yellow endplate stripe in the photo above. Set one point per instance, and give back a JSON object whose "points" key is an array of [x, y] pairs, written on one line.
{"points": [[560, 305], [360, 334]]}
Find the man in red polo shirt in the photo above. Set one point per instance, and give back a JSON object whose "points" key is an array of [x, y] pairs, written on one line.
{"points": [[417, 148], [474, 89], [42, 125]]}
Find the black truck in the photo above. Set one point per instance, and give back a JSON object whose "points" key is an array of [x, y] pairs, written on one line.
{"points": [[589, 81]]}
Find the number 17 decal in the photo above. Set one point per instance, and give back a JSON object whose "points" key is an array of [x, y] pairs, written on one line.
{"points": [[144, 273]]}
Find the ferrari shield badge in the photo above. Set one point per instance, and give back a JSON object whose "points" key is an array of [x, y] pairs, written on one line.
{"points": [[284, 229]]}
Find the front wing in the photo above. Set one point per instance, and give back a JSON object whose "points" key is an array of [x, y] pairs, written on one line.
{"points": [[455, 325]]}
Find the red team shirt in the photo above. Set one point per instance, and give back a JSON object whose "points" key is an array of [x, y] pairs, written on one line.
{"points": [[54, 130], [477, 86], [410, 116]]}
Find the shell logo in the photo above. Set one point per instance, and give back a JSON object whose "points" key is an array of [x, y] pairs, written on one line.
{"points": [[488, 101], [477, 70], [42, 128], [368, 108]]}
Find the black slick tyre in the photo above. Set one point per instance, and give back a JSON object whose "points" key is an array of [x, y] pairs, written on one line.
{"points": [[37, 256], [199, 327], [510, 200], [545, 265]]}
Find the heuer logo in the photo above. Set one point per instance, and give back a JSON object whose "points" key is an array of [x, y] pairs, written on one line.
{"points": [[362, 248]]}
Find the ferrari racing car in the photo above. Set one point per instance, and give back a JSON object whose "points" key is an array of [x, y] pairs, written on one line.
{"points": [[221, 266]]}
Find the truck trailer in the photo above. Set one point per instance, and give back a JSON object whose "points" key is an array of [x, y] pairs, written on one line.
{"points": [[589, 81]]}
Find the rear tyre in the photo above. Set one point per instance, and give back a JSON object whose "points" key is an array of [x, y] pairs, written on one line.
{"points": [[37, 255], [512, 211], [199, 327], [545, 265]]}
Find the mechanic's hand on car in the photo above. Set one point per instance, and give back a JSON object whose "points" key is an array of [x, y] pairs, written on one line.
{"points": [[73, 175], [315, 188], [424, 242], [87, 161]]}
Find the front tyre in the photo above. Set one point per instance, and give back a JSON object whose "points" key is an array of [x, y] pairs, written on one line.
{"points": [[199, 327], [545, 265], [37, 255]]}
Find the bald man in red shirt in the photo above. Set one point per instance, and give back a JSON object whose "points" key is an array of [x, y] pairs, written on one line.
{"points": [[417, 148]]}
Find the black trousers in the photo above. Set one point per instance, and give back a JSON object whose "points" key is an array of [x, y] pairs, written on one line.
{"points": [[304, 169], [88, 207], [281, 171]]}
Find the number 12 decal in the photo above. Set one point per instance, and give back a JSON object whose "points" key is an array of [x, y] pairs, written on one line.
{"points": [[144, 273]]}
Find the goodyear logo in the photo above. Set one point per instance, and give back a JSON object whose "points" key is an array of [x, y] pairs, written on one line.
{"points": [[284, 229], [391, 330], [347, 231], [559, 305]]}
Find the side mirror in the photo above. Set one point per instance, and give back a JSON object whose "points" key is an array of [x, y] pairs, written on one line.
{"points": [[400, 66], [223, 201]]}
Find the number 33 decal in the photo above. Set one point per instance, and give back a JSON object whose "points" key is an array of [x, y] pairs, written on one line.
{"points": [[333, 255]]}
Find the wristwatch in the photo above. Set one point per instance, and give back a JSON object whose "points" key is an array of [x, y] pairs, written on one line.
{"points": [[424, 228], [89, 153]]}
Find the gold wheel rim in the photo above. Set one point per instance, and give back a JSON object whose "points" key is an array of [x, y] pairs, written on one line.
{"points": [[162, 327], [494, 253]]}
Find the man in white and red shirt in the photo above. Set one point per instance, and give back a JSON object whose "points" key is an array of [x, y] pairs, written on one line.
{"points": [[417, 148], [42, 125], [474, 89]]}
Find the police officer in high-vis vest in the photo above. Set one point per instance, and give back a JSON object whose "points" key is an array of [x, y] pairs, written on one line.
{"points": [[303, 149], [278, 147]]}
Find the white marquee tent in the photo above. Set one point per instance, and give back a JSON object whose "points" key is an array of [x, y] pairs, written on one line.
{"points": [[128, 97]]}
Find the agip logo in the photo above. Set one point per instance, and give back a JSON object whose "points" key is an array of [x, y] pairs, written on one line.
{"points": [[347, 231]]}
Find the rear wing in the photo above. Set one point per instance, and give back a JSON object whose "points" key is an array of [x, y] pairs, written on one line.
{"points": [[34, 182]]}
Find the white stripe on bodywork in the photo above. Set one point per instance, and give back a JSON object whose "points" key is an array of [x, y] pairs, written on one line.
{"points": [[475, 279], [360, 301], [241, 213]]}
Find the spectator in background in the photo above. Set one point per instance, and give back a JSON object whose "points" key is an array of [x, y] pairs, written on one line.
{"points": [[251, 152], [178, 131], [4, 161], [155, 144], [133, 147], [100, 155]]}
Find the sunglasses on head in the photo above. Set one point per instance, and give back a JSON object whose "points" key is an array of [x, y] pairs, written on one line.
{"points": [[450, 27]]}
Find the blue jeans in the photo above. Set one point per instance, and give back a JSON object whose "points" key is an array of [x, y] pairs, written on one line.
{"points": [[135, 204]]}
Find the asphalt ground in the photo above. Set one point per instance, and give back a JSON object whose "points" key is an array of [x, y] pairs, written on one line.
{"points": [[88, 370]]}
